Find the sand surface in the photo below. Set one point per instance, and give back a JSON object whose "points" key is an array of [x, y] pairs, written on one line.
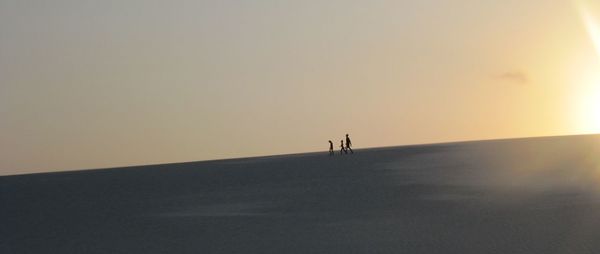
{"points": [[538, 195]]}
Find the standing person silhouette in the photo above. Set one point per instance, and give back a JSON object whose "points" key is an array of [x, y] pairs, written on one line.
{"points": [[342, 148], [348, 144], [331, 148]]}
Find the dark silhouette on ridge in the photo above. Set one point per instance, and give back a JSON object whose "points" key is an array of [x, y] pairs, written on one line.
{"points": [[331, 148], [342, 148], [348, 144]]}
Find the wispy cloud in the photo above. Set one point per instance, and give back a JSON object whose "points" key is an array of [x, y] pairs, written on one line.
{"points": [[514, 76]]}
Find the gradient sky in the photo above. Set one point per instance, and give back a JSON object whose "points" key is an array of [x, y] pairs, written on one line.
{"points": [[92, 84]]}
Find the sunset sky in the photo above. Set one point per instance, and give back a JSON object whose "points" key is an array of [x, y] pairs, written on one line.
{"points": [[94, 84]]}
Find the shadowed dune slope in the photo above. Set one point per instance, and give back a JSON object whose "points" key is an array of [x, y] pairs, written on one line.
{"points": [[536, 195]]}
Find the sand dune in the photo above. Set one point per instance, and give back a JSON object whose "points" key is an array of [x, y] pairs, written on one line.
{"points": [[538, 195]]}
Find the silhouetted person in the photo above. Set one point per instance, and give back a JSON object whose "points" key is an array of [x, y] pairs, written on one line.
{"points": [[342, 148], [331, 148], [348, 144]]}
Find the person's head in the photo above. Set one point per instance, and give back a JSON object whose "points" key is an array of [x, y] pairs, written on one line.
{"points": [[346, 134]]}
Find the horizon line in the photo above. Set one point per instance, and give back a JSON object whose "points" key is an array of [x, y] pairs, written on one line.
{"points": [[298, 153]]}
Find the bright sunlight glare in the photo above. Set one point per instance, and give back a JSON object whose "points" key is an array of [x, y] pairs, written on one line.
{"points": [[588, 108], [590, 20]]}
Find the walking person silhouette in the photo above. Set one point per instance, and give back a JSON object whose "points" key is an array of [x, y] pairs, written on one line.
{"points": [[342, 148], [331, 148], [348, 144]]}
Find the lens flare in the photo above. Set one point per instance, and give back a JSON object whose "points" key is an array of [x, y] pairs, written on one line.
{"points": [[588, 97], [590, 21]]}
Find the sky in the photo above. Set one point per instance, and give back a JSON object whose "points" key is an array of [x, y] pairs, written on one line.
{"points": [[93, 84]]}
